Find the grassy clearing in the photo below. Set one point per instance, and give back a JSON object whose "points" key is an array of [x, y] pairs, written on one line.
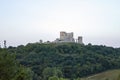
{"points": [[108, 75]]}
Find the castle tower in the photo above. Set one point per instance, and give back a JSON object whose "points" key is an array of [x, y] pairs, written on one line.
{"points": [[63, 35], [80, 40], [66, 37]]}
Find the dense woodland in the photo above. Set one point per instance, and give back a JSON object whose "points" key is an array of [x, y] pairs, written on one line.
{"points": [[64, 61]]}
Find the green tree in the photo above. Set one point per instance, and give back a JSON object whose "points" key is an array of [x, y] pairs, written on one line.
{"points": [[50, 72], [63, 79], [10, 69], [53, 78], [24, 74], [106, 79], [78, 79]]}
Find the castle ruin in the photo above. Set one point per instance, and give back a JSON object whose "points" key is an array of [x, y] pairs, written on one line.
{"points": [[68, 37]]}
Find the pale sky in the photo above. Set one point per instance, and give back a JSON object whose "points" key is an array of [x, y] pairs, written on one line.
{"points": [[24, 21]]}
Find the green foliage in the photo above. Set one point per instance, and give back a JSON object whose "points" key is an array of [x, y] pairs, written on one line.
{"points": [[77, 79], [8, 66], [106, 79], [73, 60], [11, 70], [50, 72], [63, 79], [24, 74], [56, 78], [53, 78]]}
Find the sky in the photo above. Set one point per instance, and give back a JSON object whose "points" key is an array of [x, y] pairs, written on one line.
{"points": [[28, 21]]}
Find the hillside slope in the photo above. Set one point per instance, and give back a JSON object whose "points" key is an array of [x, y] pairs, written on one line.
{"points": [[70, 59], [107, 75]]}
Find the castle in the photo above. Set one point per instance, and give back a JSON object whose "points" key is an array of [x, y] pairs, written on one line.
{"points": [[68, 37]]}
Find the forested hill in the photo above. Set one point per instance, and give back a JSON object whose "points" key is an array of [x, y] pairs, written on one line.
{"points": [[68, 60]]}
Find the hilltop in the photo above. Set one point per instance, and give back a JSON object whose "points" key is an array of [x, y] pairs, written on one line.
{"points": [[71, 60]]}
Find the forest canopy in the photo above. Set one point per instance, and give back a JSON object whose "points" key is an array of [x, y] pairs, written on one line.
{"points": [[67, 60]]}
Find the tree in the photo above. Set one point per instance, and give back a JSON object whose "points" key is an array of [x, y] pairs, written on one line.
{"points": [[53, 78], [78, 79], [106, 79], [24, 74], [11, 70], [50, 72]]}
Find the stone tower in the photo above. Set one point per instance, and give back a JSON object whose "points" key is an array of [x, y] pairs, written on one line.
{"points": [[63, 35], [80, 40], [66, 37]]}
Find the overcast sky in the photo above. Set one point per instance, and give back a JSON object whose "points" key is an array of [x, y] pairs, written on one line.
{"points": [[24, 21]]}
